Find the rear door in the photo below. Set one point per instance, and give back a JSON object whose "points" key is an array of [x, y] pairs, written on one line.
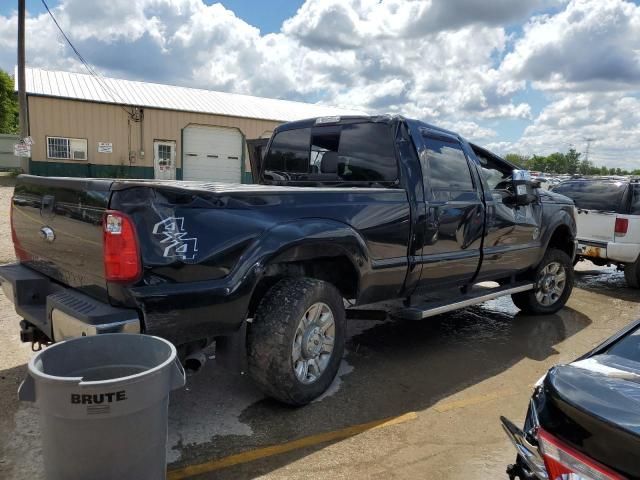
{"points": [[598, 203], [454, 213]]}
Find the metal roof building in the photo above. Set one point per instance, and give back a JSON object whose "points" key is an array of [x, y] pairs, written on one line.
{"points": [[83, 125]]}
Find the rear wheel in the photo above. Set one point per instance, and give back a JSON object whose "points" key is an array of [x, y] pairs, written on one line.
{"points": [[553, 285], [632, 273], [296, 341]]}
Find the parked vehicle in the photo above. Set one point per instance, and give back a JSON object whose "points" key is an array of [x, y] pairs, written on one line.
{"points": [[363, 209], [583, 420], [608, 222]]}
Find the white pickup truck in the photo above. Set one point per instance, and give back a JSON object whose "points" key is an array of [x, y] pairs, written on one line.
{"points": [[608, 221]]}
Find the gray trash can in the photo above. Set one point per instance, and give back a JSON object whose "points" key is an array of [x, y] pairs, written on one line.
{"points": [[103, 404]]}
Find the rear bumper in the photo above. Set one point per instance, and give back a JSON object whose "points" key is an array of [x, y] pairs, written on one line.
{"points": [[530, 464], [60, 312], [614, 251]]}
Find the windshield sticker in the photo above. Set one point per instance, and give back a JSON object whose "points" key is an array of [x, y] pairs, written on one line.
{"points": [[176, 240]]}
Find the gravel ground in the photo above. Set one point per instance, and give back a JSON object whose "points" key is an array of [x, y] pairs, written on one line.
{"points": [[6, 247]]}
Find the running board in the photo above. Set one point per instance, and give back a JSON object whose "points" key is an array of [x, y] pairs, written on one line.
{"points": [[432, 309]]}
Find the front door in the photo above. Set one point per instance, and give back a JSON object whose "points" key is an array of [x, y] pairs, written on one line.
{"points": [[512, 241], [164, 160]]}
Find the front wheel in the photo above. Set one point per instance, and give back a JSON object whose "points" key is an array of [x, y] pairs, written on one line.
{"points": [[296, 341], [553, 285]]}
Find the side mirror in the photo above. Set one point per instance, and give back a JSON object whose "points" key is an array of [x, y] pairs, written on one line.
{"points": [[524, 188]]}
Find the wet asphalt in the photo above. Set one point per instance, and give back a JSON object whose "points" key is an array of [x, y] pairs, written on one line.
{"points": [[448, 378]]}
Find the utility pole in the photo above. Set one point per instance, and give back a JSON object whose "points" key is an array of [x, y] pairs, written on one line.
{"points": [[22, 90], [586, 153]]}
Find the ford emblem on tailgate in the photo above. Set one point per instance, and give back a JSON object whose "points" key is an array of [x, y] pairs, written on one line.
{"points": [[47, 234]]}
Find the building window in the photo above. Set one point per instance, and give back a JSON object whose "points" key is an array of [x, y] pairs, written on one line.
{"points": [[67, 148]]}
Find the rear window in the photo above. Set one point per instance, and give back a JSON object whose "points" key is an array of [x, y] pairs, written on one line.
{"points": [[594, 195], [359, 152], [635, 200]]}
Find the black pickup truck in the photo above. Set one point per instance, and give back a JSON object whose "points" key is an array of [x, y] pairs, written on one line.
{"points": [[354, 217]]}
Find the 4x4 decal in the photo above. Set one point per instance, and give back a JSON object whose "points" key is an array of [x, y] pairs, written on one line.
{"points": [[176, 241]]}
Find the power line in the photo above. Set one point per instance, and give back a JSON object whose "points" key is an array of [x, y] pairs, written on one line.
{"points": [[101, 81]]}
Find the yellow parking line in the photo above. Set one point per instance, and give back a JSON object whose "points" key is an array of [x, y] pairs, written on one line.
{"points": [[251, 455], [465, 402]]}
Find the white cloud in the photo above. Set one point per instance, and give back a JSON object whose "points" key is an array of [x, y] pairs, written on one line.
{"points": [[612, 119], [450, 62], [591, 45]]}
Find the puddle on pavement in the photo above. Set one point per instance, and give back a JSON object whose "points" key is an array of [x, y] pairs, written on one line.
{"points": [[213, 401]]}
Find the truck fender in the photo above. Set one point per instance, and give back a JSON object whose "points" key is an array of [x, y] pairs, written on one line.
{"points": [[309, 239], [306, 239], [559, 219]]}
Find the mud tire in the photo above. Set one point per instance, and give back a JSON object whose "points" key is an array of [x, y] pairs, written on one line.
{"points": [[271, 334], [527, 301]]}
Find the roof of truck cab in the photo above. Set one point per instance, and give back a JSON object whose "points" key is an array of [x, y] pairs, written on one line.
{"points": [[346, 119]]}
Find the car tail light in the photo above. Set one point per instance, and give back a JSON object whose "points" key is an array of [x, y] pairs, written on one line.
{"points": [[563, 461], [21, 253], [622, 225], [121, 252]]}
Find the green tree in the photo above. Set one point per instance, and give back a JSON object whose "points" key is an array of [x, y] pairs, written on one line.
{"points": [[521, 161], [585, 167], [8, 105], [572, 161]]}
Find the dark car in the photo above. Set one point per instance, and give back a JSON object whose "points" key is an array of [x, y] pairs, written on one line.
{"points": [[583, 421], [364, 209]]}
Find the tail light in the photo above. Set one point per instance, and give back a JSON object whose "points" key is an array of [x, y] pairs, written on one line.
{"points": [[120, 246], [622, 225], [563, 461], [20, 252]]}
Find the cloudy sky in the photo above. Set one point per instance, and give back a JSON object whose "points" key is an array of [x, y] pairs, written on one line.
{"points": [[527, 76]]}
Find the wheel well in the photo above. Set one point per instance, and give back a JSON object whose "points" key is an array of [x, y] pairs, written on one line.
{"points": [[339, 271], [562, 239]]}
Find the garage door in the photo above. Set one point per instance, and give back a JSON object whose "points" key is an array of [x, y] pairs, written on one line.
{"points": [[212, 154]]}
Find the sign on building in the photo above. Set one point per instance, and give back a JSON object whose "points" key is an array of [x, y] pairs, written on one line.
{"points": [[22, 149], [105, 147]]}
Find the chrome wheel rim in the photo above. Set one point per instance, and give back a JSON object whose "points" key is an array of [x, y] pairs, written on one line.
{"points": [[552, 281], [313, 343]]}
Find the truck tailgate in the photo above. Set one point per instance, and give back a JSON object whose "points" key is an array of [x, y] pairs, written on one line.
{"points": [[596, 226], [57, 223]]}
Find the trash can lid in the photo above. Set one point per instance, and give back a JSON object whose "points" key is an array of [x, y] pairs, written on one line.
{"points": [[102, 359]]}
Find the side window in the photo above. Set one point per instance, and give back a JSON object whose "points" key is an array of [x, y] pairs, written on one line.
{"points": [[289, 152], [494, 172], [448, 167]]}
